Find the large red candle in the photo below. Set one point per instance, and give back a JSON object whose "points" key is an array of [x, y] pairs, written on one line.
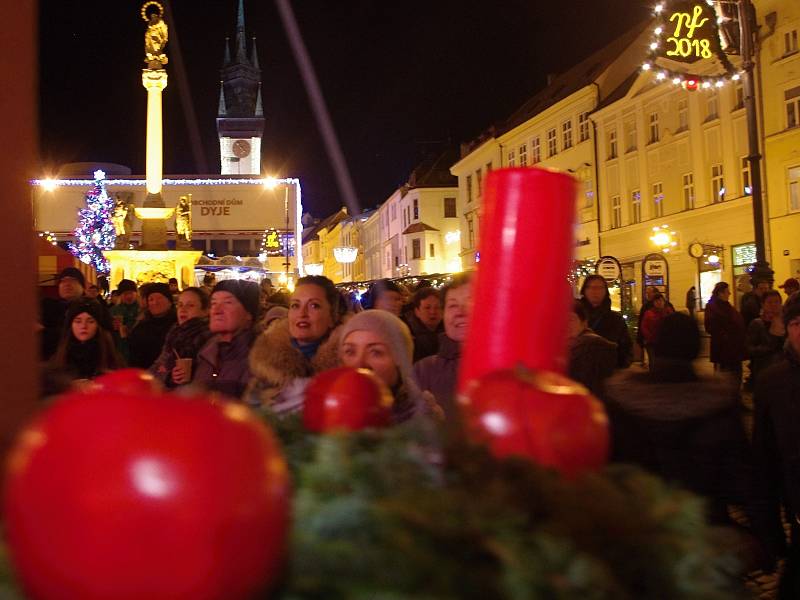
{"points": [[521, 296]]}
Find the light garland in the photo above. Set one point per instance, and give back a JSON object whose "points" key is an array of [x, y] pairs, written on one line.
{"points": [[49, 183], [581, 270], [50, 237], [684, 46]]}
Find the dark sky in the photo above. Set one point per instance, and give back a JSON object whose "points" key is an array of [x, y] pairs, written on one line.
{"points": [[395, 75]]}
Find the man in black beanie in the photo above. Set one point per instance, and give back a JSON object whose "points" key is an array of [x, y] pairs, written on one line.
{"points": [[222, 362]]}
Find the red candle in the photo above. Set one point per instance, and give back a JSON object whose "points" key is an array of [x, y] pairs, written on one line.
{"points": [[521, 295]]}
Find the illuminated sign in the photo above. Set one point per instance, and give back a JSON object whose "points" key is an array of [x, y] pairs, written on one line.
{"points": [[686, 38]]}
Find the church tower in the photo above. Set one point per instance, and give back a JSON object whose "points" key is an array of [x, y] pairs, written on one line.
{"points": [[240, 117]]}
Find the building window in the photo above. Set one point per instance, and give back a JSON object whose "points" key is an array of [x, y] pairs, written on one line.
{"points": [[523, 155], [792, 102], [790, 42], [658, 200], [241, 247], [416, 209], [536, 150], [469, 188], [470, 232], [416, 249], [655, 134], [747, 185], [219, 248], [588, 193], [616, 212], [566, 134], [489, 167], [630, 136], [738, 96], [394, 212], [794, 188], [552, 143], [431, 251], [712, 106], [612, 143], [683, 114], [450, 208], [717, 184], [583, 127], [512, 158], [688, 191], [636, 207]]}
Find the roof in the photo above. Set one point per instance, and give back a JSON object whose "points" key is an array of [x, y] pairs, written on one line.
{"points": [[418, 228], [328, 222], [576, 78], [434, 171]]}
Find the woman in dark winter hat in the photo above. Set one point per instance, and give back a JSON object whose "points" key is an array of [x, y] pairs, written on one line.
{"points": [[726, 327], [86, 348], [184, 340], [222, 361], [680, 425], [292, 350], [147, 337], [604, 321]]}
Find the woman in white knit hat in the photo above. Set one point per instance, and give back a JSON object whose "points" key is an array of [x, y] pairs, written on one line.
{"points": [[380, 341]]}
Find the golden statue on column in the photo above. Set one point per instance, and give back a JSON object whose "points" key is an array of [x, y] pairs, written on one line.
{"points": [[156, 36]]}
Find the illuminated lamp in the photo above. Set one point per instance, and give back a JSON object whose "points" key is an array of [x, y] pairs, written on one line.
{"points": [[314, 268], [690, 85], [49, 185], [345, 254], [451, 237], [270, 182], [713, 259]]}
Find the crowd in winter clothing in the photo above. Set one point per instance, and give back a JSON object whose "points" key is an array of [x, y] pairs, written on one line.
{"points": [[250, 343]]}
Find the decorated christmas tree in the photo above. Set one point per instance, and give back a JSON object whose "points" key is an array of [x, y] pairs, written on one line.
{"points": [[95, 231]]}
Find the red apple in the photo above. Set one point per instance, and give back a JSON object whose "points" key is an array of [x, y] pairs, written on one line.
{"points": [[348, 399], [542, 416], [134, 496]]}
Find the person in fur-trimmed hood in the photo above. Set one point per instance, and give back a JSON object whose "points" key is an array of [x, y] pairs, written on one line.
{"points": [[293, 349]]}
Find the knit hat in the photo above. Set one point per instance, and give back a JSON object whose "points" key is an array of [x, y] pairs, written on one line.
{"points": [[246, 292], [74, 273], [678, 338], [88, 306], [157, 288], [395, 334], [275, 312], [126, 285]]}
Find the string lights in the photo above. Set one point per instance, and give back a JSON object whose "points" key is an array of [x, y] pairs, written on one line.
{"points": [[95, 231]]}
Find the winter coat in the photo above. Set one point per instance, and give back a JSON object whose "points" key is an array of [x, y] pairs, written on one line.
{"points": [[763, 348], [592, 360], [426, 341], [685, 431], [651, 323], [129, 313], [610, 324], [222, 366], [83, 359], [147, 338], [184, 340], [280, 372], [438, 374], [52, 313], [776, 452], [725, 326]]}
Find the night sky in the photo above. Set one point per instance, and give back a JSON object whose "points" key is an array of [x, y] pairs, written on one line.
{"points": [[396, 75]]}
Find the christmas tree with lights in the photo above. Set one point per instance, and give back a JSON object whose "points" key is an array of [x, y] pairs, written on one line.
{"points": [[95, 231]]}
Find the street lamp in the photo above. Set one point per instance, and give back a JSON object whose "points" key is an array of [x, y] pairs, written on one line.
{"points": [[663, 238]]}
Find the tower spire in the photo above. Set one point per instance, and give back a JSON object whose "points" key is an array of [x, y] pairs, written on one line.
{"points": [[222, 110], [259, 106], [241, 41], [254, 54], [226, 57]]}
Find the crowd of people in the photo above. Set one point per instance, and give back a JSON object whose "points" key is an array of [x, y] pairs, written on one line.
{"points": [[262, 346]]}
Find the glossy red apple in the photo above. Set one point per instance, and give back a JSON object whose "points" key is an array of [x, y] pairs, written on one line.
{"points": [[542, 416], [144, 496], [347, 399]]}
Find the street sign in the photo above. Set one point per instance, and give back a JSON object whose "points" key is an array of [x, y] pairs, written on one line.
{"points": [[608, 268]]}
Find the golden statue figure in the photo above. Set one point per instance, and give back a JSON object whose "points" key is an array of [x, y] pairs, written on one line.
{"points": [[183, 220], [156, 36], [120, 216]]}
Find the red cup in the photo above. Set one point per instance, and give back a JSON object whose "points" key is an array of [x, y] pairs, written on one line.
{"points": [[521, 295]]}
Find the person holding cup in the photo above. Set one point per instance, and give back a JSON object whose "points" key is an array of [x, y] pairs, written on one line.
{"points": [[174, 366]]}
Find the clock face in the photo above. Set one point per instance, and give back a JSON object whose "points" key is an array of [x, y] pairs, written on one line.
{"points": [[696, 250], [241, 148]]}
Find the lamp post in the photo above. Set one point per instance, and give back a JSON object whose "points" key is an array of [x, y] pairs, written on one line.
{"points": [[761, 270]]}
